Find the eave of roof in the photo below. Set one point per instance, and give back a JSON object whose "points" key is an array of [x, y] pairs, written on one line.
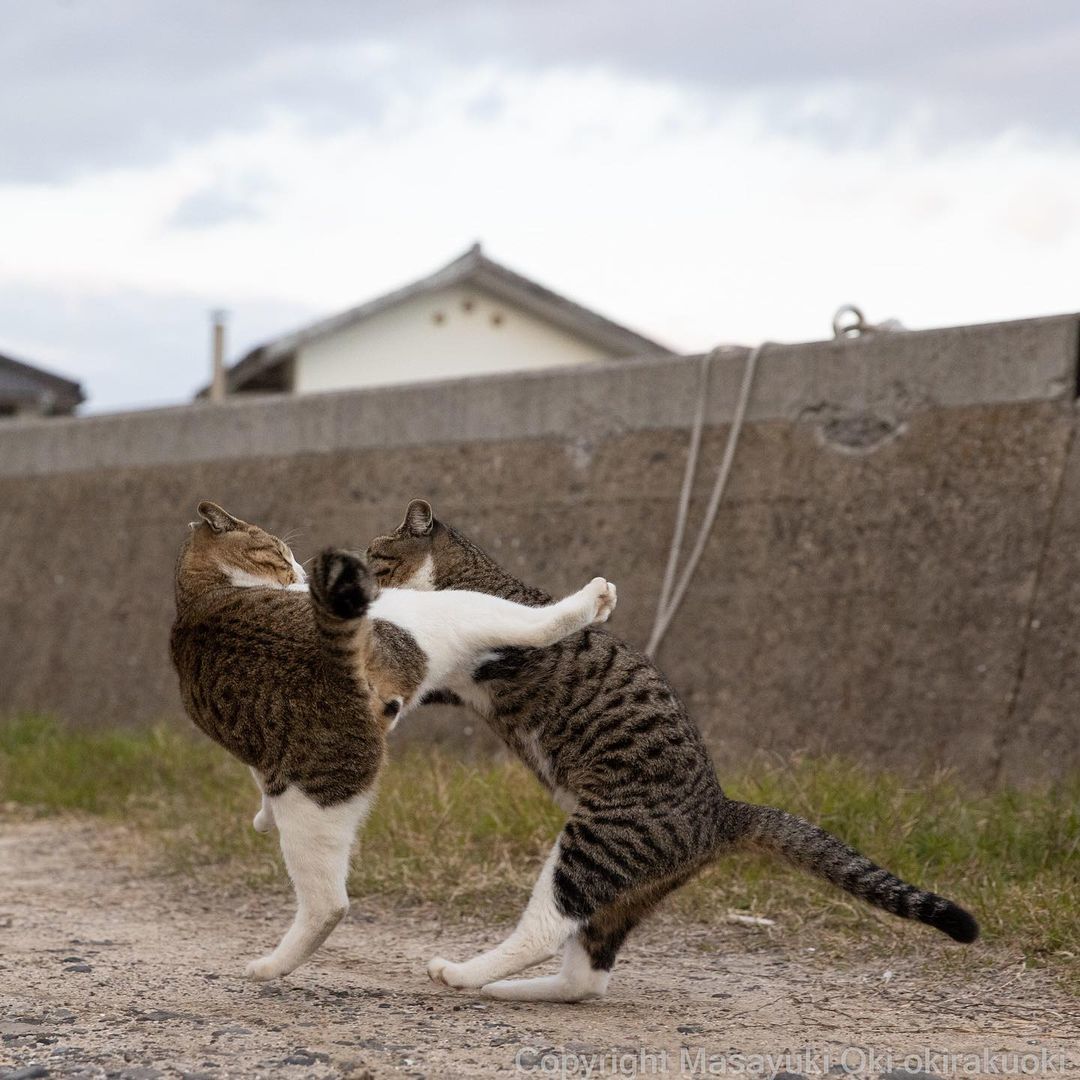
{"points": [[57, 384], [476, 269]]}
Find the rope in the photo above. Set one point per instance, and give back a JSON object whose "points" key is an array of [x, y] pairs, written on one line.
{"points": [[671, 594], [684, 497], [848, 322]]}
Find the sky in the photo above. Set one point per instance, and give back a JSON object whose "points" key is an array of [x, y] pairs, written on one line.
{"points": [[701, 171]]}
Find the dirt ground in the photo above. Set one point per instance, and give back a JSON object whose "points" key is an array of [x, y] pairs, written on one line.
{"points": [[106, 971]]}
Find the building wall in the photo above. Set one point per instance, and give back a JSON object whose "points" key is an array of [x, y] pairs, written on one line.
{"points": [[450, 334], [891, 576]]}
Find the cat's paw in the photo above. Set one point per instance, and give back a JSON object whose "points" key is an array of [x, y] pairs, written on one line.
{"points": [[263, 822], [445, 973], [265, 968], [342, 583], [605, 598]]}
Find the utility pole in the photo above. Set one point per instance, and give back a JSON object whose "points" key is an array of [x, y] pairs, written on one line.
{"points": [[217, 355]]}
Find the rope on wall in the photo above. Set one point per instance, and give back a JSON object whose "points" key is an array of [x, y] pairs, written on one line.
{"points": [[848, 322], [672, 593]]}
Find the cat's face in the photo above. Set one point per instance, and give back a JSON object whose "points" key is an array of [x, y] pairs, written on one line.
{"points": [[221, 544], [405, 558]]}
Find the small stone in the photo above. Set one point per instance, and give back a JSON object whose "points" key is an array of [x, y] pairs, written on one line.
{"points": [[158, 1014], [79, 968], [306, 1057], [30, 1072], [689, 1029]]}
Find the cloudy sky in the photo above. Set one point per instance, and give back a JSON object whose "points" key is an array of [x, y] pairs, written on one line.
{"points": [[701, 170]]}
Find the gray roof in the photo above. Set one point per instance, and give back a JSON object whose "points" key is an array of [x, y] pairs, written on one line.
{"points": [[24, 383], [473, 268]]}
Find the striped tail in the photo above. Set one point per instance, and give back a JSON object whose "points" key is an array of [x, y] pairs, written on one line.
{"points": [[813, 849], [342, 588]]}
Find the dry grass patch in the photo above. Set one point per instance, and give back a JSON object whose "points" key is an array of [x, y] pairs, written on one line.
{"points": [[470, 837]]}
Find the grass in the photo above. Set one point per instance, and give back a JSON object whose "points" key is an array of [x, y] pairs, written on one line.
{"points": [[470, 837]]}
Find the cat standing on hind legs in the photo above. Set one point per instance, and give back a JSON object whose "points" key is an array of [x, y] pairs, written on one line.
{"points": [[603, 730], [302, 687]]}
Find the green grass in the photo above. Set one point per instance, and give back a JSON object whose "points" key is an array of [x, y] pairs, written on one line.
{"points": [[471, 836]]}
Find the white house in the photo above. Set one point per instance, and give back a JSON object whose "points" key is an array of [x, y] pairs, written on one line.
{"points": [[473, 317]]}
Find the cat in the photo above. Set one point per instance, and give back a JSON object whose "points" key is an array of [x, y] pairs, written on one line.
{"points": [[301, 681], [603, 730]]}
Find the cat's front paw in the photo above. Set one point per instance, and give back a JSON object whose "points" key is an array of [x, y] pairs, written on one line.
{"points": [[444, 972], [264, 821], [264, 969], [605, 598]]}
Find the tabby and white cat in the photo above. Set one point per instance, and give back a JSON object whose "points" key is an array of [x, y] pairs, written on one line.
{"points": [[602, 729], [302, 688]]}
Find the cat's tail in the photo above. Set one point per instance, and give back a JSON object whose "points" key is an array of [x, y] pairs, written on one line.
{"points": [[342, 588], [813, 849]]}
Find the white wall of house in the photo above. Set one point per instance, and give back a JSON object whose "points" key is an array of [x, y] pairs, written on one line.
{"points": [[455, 332]]}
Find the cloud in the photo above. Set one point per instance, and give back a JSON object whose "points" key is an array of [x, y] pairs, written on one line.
{"points": [[610, 191], [89, 86], [127, 347], [701, 171], [221, 203]]}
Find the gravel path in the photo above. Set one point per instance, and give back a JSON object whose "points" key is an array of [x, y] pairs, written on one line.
{"points": [[105, 971]]}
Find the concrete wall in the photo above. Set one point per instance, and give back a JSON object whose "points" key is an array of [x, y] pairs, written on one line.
{"points": [[452, 333], [890, 577]]}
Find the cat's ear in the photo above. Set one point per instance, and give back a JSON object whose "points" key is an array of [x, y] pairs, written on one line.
{"points": [[216, 518], [419, 519]]}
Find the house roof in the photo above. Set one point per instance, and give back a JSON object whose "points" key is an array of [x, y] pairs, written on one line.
{"points": [[473, 268], [20, 381]]}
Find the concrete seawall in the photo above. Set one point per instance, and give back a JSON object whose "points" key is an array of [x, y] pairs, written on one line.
{"points": [[890, 577]]}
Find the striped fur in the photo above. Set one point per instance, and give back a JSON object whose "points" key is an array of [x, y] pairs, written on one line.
{"points": [[300, 683], [265, 671], [813, 849], [603, 730], [262, 674]]}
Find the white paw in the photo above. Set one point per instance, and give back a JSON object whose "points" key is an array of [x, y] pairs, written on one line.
{"points": [[550, 988], [446, 973], [504, 989], [605, 598], [263, 822], [265, 968]]}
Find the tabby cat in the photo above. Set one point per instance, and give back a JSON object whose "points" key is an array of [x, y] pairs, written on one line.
{"points": [[604, 732], [302, 687]]}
